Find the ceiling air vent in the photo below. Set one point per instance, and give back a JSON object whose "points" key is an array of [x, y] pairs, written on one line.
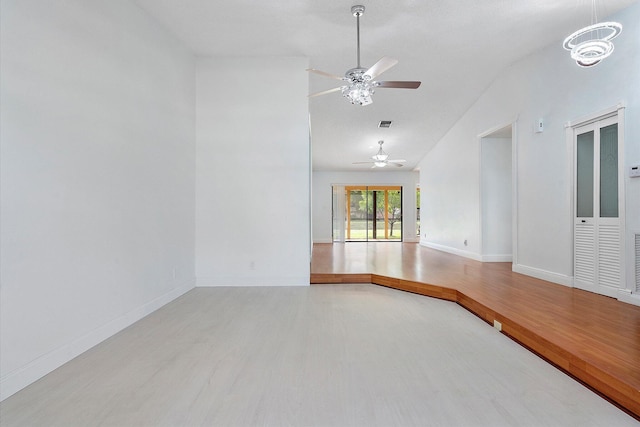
{"points": [[384, 124]]}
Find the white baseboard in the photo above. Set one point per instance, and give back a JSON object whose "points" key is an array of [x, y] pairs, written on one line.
{"points": [[549, 276], [497, 258], [15, 381], [469, 254], [450, 250], [238, 281], [322, 241], [625, 295]]}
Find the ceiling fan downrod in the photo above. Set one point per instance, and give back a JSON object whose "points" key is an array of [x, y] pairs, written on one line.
{"points": [[358, 11]]}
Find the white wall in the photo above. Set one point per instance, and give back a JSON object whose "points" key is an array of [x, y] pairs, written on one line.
{"points": [[546, 85], [97, 175], [495, 194], [252, 191], [449, 196], [322, 198]]}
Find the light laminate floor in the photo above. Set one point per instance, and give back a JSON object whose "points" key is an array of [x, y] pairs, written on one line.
{"points": [[593, 337], [331, 355]]}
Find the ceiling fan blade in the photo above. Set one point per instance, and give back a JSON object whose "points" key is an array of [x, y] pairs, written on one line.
{"points": [[324, 92], [399, 84], [396, 164], [397, 161], [322, 73], [380, 67], [362, 163]]}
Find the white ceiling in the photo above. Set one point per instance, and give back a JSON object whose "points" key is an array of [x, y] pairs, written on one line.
{"points": [[456, 48]]}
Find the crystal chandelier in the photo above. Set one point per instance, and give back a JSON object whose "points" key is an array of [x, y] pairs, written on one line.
{"points": [[592, 44]]}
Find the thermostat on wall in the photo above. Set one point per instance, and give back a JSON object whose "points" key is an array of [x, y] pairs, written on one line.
{"points": [[634, 171]]}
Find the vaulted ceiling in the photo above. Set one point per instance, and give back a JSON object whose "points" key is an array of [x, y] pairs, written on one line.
{"points": [[456, 48]]}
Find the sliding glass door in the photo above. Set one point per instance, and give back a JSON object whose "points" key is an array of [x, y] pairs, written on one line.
{"points": [[372, 213]]}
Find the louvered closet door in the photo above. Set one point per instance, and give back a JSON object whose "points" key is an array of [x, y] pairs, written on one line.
{"points": [[597, 230]]}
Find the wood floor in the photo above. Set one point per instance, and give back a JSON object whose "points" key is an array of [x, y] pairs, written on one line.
{"points": [[594, 338]]}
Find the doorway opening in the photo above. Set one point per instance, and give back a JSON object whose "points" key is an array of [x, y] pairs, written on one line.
{"points": [[418, 211], [496, 195], [367, 213]]}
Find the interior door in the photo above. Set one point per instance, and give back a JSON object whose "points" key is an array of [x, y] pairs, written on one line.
{"points": [[597, 227]]}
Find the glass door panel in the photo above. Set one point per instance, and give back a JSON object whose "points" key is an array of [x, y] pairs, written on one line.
{"points": [[609, 171], [584, 175], [357, 215], [394, 214], [375, 214], [339, 213]]}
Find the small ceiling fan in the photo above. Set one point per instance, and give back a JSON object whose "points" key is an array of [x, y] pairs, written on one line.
{"points": [[381, 159], [359, 81]]}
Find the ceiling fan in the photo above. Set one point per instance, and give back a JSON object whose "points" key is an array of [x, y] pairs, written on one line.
{"points": [[359, 81], [381, 159]]}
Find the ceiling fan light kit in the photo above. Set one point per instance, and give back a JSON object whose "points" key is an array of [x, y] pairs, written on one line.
{"points": [[360, 83], [360, 90], [381, 159]]}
